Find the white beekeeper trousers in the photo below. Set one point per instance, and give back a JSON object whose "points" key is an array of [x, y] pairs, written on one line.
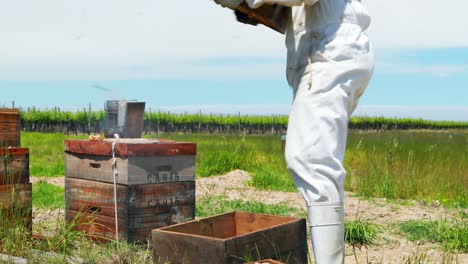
{"points": [[330, 63]]}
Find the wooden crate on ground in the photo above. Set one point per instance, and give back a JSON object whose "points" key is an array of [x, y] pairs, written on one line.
{"points": [[232, 238], [155, 186], [14, 165], [9, 127]]}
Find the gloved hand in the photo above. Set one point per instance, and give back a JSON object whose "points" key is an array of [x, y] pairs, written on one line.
{"points": [[232, 4], [244, 18]]}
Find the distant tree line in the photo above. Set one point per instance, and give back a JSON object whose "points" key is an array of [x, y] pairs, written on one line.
{"points": [[87, 121]]}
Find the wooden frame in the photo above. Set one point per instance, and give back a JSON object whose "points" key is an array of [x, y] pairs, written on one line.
{"points": [[231, 238]]}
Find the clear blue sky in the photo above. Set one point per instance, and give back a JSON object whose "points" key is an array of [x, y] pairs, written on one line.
{"points": [[417, 74]]}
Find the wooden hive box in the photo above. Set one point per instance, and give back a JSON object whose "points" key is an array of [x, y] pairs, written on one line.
{"points": [[232, 238], [9, 127], [15, 205], [155, 186], [14, 166]]}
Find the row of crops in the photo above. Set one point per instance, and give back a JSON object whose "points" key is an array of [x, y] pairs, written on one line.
{"points": [[86, 121]]}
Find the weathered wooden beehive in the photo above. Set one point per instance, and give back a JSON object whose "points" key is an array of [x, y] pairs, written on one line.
{"points": [[14, 166], [15, 205], [232, 238], [155, 186], [9, 127], [15, 189]]}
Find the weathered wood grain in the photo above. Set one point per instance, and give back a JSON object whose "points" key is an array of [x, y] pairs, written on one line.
{"points": [[132, 170], [178, 248], [268, 237], [141, 208], [14, 166], [102, 148], [230, 238], [16, 205], [15, 195], [9, 128]]}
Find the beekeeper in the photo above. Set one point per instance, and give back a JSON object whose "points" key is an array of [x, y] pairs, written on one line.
{"points": [[329, 65]]}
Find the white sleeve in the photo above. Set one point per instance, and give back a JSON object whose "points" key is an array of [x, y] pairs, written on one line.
{"points": [[257, 3]]}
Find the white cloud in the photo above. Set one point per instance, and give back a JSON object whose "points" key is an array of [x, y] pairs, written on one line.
{"points": [[418, 23], [436, 70], [55, 39], [158, 70], [428, 112]]}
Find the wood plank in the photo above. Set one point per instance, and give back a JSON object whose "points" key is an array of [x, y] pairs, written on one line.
{"points": [[141, 208], [9, 128], [14, 166], [16, 205], [17, 195], [96, 168], [220, 226], [154, 198], [178, 248], [161, 169], [249, 222], [271, 243], [93, 196], [101, 148], [97, 227], [131, 170]]}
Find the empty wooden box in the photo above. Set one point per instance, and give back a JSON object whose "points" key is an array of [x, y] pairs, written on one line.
{"points": [[232, 238], [9, 127], [155, 186]]}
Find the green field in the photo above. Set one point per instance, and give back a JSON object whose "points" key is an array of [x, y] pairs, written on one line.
{"points": [[424, 165]]}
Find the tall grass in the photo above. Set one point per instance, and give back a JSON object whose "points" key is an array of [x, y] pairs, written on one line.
{"points": [[410, 165]]}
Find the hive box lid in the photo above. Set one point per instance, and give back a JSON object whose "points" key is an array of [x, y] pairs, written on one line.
{"points": [[130, 147], [9, 111]]}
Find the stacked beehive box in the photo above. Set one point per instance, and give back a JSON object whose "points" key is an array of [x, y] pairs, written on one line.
{"points": [[9, 127], [155, 186], [15, 189]]}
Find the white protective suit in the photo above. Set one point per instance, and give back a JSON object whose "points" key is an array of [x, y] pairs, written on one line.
{"points": [[330, 63]]}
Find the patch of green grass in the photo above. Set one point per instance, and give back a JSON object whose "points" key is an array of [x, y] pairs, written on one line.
{"points": [[48, 196], [452, 235], [271, 179], [422, 165], [213, 205], [220, 162], [46, 155], [359, 233]]}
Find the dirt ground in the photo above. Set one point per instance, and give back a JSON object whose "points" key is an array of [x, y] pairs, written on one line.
{"points": [[390, 247]]}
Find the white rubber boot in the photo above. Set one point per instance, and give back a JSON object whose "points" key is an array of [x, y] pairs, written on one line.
{"points": [[327, 232]]}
